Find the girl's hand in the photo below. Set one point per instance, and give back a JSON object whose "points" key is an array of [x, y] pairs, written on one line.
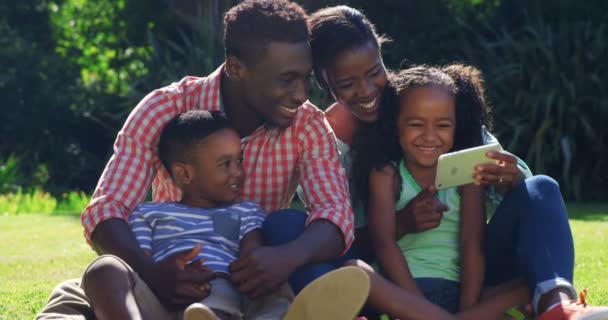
{"points": [[423, 212], [502, 175]]}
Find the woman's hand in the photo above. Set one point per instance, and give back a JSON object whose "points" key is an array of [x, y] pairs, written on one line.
{"points": [[502, 175]]}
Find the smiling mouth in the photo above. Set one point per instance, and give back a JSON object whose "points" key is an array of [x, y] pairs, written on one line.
{"points": [[427, 149], [235, 187], [289, 110], [370, 105]]}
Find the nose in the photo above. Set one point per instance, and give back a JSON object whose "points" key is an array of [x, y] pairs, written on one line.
{"points": [[300, 92], [237, 170], [429, 134], [367, 89]]}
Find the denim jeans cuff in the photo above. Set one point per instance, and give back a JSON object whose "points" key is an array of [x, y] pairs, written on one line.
{"points": [[548, 285]]}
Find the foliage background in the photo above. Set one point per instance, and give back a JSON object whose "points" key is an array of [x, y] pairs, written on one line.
{"points": [[73, 69]]}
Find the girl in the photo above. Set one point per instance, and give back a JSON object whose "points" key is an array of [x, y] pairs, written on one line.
{"points": [[430, 114], [417, 128]]}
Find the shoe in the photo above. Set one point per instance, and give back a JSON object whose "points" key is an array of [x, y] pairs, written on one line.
{"points": [[579, 310], [337, 295], [199, 311]]}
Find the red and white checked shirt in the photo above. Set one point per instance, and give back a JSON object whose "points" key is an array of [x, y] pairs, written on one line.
{"points": [[276, 160]]}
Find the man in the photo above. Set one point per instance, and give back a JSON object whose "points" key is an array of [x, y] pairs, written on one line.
{"points": [[262, 87]]}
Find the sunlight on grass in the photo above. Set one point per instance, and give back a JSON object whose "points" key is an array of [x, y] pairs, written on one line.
{"points": [[39, 251]]}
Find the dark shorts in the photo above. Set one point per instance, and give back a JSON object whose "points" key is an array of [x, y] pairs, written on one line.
{"points": [[442, 292]]}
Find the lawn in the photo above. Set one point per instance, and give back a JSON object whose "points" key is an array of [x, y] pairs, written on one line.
{"points": [[39, 251]]}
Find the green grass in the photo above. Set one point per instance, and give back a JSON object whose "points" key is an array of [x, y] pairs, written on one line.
{"points": [[39, 251]]}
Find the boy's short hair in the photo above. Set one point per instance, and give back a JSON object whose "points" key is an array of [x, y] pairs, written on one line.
{"points": [[250, 26], [181, 135]]}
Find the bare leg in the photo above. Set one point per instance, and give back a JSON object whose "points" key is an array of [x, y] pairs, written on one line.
{"points": [[400, 303], [109, 286], [396, 301], [495, 301]]}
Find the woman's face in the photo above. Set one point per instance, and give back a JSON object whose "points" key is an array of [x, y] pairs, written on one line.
{"points": [[357, 78]]}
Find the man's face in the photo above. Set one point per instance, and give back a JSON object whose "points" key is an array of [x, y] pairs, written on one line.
{"points": [[278, 82]]}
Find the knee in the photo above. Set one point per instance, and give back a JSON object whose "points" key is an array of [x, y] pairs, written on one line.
{"points": [[283, 226], [542, 186], [106, 270], [359, 264]]}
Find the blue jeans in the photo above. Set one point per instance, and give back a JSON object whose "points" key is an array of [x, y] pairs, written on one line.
{"points": [[529, 235], [286, 225]]}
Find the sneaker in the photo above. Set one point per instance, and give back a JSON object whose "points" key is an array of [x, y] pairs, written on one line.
{"points": [[199, 311], [579, 310], [337, 295]]}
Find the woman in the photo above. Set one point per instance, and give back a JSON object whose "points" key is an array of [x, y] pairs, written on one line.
{"points": [[348, 65]]}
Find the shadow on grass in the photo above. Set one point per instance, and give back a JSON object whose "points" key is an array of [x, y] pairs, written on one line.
{"points": [[588, 211]]}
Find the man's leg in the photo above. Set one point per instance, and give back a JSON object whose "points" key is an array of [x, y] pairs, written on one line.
{"points": [[529, 235], [283, 226], [68, 302]]}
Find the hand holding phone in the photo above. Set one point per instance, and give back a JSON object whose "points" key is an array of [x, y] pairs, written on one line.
{"points": [[458, 168]]}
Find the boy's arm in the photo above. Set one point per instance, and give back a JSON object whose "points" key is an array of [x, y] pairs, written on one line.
{"points": [[382, 228], [472, 227], [251, 240]]}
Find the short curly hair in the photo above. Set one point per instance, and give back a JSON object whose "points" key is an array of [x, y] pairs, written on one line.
{"points": [[182, 134], [250, 26]]}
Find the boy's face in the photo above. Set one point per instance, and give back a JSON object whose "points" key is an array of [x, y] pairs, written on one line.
{"points": [[278, 82], [426, 124], [215, 176]]}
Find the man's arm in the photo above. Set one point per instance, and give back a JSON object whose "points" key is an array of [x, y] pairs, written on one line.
{"points": [[329, 229], [124, 183]]}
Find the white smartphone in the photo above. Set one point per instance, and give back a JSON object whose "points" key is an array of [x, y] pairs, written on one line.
{"points": [[457, 168]]}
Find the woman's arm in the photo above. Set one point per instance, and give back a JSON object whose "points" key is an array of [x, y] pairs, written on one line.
{"points": [[382, 228], [472, 226]]}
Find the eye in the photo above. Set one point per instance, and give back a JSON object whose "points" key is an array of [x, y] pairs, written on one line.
{"points": [[239, 161], [376, 73], [444, 125], [344, 85]]}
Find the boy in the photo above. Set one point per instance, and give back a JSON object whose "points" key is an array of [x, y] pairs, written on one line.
{"points": [[205, 231]]}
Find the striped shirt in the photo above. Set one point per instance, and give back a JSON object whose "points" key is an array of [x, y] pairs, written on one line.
{"points": [[275, 161], [168, 228]]}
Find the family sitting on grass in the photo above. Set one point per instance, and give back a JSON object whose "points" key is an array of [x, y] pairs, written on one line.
{"points": [[224, 155]]}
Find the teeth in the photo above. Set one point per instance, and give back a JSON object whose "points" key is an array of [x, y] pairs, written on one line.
{"points": [[427, 148], [369, 105], [288, 110]]}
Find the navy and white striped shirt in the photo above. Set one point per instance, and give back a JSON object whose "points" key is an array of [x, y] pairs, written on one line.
{"points": [[168, 228]]}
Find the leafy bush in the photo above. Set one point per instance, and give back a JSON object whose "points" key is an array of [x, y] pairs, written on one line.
{"points": [[39, 201], [548, 85]]}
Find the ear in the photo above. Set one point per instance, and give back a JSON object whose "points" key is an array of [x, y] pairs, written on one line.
{"points": [[235, 68], [182, 173]]}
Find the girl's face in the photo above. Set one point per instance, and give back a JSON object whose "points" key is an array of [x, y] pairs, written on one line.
{"points": [[426, 124], [357, 78]]}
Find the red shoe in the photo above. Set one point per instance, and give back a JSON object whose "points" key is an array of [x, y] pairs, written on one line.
{"points": [[578, 310]]}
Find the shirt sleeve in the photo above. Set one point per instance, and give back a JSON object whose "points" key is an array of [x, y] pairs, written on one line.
{"points": [[128, 175], [323, 179], [141, 228], [252, 218]]}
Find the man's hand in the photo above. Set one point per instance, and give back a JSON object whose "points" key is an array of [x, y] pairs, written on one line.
{"points": [[502, 175], [261, 271], [422, 213], [178, 284]]}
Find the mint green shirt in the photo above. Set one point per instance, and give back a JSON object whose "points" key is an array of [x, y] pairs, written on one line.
{"points": [[433, 253]]}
